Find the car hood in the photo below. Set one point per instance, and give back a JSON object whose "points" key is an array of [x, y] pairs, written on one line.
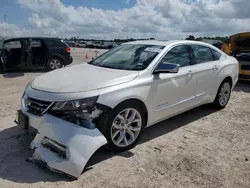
{"points": [[80, 78]]}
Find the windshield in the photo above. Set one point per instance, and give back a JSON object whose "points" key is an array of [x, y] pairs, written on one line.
{"points": [[243, 42], [1, 44], [128, 57]]}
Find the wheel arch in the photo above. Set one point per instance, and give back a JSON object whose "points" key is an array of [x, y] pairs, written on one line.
{"points": [[216, 90], [104, 121], [215, 102], [228, 78], [135, 100], [54, 56]]}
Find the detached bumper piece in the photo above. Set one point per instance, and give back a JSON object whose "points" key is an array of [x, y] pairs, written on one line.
{"points": [[55, 147], [64, 147]]}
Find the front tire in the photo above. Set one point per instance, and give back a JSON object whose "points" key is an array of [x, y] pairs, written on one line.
{"points": [[54, 63], [123, 125], [223, 95]]}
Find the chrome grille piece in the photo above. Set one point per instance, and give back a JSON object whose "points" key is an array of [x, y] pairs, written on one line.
{"points": [[37, 107]]}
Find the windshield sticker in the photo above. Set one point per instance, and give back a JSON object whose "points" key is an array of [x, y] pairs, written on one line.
{"points": [[157, 50]]}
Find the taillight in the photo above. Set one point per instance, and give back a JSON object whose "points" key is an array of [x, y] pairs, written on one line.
{"points": [[67, 49]]}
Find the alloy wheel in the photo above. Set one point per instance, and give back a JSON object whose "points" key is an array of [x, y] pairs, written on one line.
{"points": [[224, 93], [126, 127], [55, 64]]}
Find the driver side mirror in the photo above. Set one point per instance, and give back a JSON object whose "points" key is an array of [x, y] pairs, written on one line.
{"points": [[167, 68]]}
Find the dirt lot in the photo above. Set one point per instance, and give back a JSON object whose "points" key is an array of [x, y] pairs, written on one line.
{"points": [[200, 148]]}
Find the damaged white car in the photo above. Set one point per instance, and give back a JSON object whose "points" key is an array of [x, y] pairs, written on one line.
{"points": [[111, 99]]}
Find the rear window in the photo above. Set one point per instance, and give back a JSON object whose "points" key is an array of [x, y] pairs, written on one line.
{"points": [[202, 54], [216, 55], [56, 42]]}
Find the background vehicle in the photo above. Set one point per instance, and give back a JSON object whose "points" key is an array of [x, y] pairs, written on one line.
{"points": [[71, 43], [81, 44], [107, 45], [244, 65], [97, 44], [216, 43], [34, 52], [240, 49]]}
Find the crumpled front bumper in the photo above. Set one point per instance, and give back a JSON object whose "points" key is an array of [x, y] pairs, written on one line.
{"points": [[80, 144]]}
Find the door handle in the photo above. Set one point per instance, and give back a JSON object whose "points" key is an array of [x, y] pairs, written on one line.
{"points": [[216, 67], [190, 73]]}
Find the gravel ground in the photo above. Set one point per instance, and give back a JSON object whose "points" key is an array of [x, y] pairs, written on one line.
{"points": [[200, 148]]}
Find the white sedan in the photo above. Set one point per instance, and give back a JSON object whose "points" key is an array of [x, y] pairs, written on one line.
{"points": [[111, 99]]}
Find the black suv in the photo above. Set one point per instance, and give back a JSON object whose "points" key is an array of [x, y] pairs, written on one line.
{"points": [[34, 52]]}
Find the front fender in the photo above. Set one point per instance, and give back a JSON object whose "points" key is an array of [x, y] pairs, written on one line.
{"points": [[113, 96]]}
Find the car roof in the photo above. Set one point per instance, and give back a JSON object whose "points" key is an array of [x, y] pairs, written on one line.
{"points": [[18, 38], [152, 42], [167, 43]]}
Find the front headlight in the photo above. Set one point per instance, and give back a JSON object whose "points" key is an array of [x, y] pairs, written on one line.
{"points": [[24, 92], [75, 105]]}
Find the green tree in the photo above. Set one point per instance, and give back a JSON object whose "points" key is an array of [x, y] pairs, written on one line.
{"points": [[191, 37]]}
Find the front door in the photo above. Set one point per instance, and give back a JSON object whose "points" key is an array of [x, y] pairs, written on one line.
{"points": [[174, 92], [13, 53]]}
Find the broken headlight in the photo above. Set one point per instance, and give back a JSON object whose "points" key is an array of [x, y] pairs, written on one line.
{"points": [[79, 105], [80, 112]]}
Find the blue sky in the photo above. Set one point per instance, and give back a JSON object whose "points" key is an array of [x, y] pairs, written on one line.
{"points": [[19, 15], [15, 14]]}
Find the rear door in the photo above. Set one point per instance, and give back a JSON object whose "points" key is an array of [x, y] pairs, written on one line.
{"points": [[206, 71], [37, 50]]}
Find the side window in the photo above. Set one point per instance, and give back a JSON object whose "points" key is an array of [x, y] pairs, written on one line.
{"points": [[55, 43], [35, 43], [216, 55], [13, 44], [202, 54], [177, 55]]}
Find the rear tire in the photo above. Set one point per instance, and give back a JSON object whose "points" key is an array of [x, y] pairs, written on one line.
{"points": [[223, 95], [54, 63], [123, 125]]}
